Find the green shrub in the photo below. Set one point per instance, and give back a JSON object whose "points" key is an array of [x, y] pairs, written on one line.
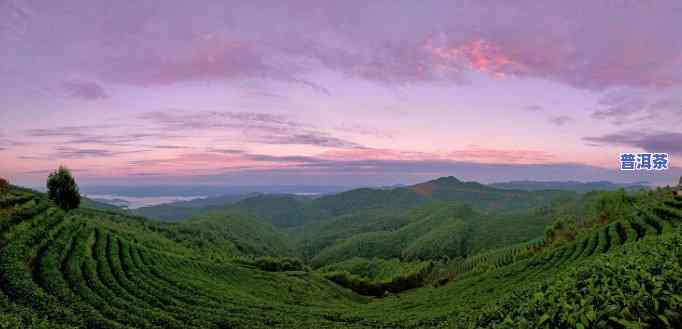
{"points": [[376, 277], [356, 283], [614, 206], [274, 264]]}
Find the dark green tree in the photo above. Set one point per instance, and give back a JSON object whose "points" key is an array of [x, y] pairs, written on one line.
{"points": [[4, 185], [62, 189]]}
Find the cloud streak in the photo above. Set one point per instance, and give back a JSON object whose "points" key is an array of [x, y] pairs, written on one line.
{"points": [[87, 90], [666, 142], [313, 138], [560, 120], [355, 160], [185, 120], [256, 127]]}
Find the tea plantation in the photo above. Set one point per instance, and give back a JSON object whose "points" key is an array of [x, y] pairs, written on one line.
{"points": [[97, 269]]}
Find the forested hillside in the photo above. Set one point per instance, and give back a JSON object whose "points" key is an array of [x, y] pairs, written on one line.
{"points": [[454, 219], [602, 260]]}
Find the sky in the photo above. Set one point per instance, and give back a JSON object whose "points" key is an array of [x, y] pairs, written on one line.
{"points": [[349, 93]]}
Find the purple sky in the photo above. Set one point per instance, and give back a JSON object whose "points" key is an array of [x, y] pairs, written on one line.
{"points": [[337, 92]]}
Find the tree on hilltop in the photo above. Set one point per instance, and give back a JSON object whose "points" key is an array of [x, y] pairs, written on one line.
{"points": [[4, 185], [62, 189]]}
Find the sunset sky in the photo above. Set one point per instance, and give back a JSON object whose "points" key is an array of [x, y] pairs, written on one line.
{"points": [[337, 92]]}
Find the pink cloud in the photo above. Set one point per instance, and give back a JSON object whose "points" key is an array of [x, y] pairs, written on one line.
{"points": [[476, 54]]}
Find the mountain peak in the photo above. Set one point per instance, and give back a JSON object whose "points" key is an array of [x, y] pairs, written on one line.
{"points": [[446, 180], [427, 188]]}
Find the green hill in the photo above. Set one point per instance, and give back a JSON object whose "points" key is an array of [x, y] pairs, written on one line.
{"points": [[176, 211], [312, 238], [483, 197], [367, 198], [429, 231], [620, 267], [283, 210], [286, 210], [89, 203], [432, 231]]}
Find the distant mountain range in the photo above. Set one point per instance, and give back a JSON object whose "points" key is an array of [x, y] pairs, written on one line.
{"points": [[290, 206], [289, 210], [580, 187], [206, 190]]}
